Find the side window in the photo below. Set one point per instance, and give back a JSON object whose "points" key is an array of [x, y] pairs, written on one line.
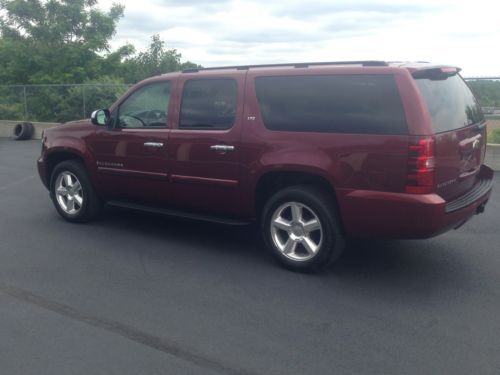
{"points": [[147, 107], [208, 104], [368, 104]]}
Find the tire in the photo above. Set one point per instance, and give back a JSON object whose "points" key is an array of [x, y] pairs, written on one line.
{"points": [[73, 194], [299, 247], [23, 130]]}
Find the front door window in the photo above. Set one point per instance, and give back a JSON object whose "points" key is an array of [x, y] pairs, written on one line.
{"points": [[146, 108]]}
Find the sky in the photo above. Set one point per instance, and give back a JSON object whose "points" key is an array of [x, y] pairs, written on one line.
{"points": [[240, 32]]}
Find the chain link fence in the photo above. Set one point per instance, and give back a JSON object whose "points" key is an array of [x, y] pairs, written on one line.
{"points": [[61, 103], [56, 103]]}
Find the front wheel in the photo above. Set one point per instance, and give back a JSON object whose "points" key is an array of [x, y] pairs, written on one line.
{"points": [[301, 228], [72, 193]]}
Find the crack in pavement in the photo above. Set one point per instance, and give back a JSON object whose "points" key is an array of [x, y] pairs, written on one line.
{"points": [[123, 330]]}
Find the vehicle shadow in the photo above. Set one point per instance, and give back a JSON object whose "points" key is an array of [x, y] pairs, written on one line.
{"points": [[418, 267], [187, 233]]}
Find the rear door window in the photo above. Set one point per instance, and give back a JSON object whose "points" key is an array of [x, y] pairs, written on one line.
{"points": [[368, 104], [208, 104], [450, 102]]}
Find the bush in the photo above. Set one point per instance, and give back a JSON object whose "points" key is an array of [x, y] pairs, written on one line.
{"points": [[494, 136]]}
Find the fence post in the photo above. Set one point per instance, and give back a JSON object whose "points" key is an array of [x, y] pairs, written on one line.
{"points": [[25, 104], [84, 104]]}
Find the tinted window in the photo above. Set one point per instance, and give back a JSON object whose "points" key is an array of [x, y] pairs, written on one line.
{"points": [[146, 107], [450, 102], [342, 104], [209, 104]]}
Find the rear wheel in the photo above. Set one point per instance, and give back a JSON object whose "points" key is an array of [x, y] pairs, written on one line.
{"points": [[301, 228], [72, 193]]}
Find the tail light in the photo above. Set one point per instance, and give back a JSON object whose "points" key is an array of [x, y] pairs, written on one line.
{"points": [[421, 162]]}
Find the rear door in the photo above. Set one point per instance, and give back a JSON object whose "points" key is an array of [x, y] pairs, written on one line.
{"points": [[460, 131], [204, 144]]}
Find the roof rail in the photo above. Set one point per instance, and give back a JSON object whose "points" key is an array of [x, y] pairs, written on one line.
{"points": [[295, 65]]}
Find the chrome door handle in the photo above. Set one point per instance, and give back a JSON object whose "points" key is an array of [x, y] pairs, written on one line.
{"points": [[153, 144], [222, 148]]}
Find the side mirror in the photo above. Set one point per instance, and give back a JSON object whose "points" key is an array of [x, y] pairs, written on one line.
{"points": [[100, 117]]}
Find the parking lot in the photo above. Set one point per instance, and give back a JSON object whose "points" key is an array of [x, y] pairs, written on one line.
{"points": [[141, 294]]}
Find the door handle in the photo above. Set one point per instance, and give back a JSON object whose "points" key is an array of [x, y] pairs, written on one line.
{"points": [[222, 148], [153, 144]]}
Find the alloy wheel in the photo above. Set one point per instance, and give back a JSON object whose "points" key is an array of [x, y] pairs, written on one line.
{"points": [[69, 193], [296, 231]]}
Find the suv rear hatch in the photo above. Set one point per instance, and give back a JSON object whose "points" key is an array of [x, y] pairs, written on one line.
{"points": [[459, 127]]}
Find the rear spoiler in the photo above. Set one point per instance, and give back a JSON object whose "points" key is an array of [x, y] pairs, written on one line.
{"points": [[437, 73]]}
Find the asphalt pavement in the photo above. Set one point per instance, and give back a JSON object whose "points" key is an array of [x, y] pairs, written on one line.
{"points": [[141, 294]]}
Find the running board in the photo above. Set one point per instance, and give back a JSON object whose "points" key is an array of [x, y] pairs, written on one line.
{"points": [[178, 213]]}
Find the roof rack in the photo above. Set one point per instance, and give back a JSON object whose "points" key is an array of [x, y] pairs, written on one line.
{"points": [[295, 65]]}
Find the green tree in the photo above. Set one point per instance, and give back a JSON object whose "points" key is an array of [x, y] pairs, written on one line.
{"points": [[154, 61], [487, 92], [67, 42], [54, 41], [51, 42]]}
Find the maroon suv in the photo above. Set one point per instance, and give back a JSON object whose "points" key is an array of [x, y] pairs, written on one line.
{"points": [[314, 152]]}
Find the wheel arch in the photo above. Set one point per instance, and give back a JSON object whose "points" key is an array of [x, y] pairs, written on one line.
{"points": [[272, 181], [58, 156]]}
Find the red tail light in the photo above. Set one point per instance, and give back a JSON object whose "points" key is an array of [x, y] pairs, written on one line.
{"points": [[421, 162]]}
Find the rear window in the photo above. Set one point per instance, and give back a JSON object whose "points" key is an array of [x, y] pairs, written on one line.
{"points": [[208, 104], [339, 104], [451, 103]]}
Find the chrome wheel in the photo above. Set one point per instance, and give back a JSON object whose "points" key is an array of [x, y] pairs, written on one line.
{"points": [[69, 193], [296, 231]]}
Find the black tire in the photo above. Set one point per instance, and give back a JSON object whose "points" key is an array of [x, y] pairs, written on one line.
{"points": [[319, 205], [23, 130], [91, 206]]}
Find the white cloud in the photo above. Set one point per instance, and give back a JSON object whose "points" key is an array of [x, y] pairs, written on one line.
{"points": [[232, 32]]}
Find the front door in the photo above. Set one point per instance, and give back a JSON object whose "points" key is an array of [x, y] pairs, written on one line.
{"points": [[204, 145], [131, 156]]}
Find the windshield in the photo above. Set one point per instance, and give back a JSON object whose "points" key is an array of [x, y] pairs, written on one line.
{"points": [[451, 103]]}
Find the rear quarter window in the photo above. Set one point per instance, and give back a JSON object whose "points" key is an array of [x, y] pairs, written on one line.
{"points": [[450, 102], [368, 104]]}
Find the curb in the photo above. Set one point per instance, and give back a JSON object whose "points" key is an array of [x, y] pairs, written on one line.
{"points": [[7, 128], [492, 158]]}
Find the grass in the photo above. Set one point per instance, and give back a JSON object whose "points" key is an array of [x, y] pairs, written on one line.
{"points": [[493, 130], [494, 136]]}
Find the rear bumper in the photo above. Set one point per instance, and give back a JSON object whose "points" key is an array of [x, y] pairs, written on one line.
{"points": [[398, 215]]}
